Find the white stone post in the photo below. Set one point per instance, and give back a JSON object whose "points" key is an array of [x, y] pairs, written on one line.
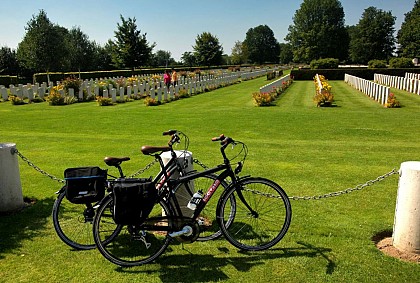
{"points": [[406, 234], [10, 187]]}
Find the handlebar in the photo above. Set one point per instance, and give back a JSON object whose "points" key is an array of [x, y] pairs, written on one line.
{"points": [[174, 136], [170, 132], [224, 141]]}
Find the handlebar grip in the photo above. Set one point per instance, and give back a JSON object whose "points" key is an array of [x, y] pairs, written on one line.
{"points": [[170, 132], [219, 138]]}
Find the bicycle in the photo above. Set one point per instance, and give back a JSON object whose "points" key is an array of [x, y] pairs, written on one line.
{"points": [[253, 214], [73, 221]]}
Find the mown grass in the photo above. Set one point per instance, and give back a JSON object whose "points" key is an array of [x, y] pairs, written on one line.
{"points": [[307, 150]]}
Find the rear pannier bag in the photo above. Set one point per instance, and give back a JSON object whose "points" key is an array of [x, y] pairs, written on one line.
{"points": [[133, 200], [85, 184]]}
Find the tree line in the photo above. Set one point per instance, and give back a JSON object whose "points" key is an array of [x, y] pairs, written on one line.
{"points": [[318, 31]]}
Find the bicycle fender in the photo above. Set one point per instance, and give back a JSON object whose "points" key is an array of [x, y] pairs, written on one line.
{"points": [[60, 190]]}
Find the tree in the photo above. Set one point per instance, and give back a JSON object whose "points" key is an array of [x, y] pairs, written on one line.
{"points": [[261, 45], [131, 48], [239, 53], [207, 50], [82, 51], [409, 34], [8, 61], [103, 56], [188, 59], [318, 31], [44, 46], [162, 58], [286, 53], [373, 37]]}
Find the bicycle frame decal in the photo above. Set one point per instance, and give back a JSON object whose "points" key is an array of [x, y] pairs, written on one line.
{"points": [[211, 190]]}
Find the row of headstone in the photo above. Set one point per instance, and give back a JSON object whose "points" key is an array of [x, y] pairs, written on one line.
{"points": [[277, 83], [320, 89], [407, 83], [21, 91], [412, 76], [142, 87], [376, 91]]}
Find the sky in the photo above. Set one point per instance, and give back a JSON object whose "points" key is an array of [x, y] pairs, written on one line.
{"points": [[174, 25]]}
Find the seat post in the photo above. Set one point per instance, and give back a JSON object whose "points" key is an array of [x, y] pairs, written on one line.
{"points": [[120, 170]]}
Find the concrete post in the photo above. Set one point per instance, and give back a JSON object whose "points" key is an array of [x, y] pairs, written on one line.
{"points": [[406, 235], [10, 187], [182, 195]]}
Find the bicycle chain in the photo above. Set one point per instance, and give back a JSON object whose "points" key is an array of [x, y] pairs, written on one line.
{"points": [[148, 166]]}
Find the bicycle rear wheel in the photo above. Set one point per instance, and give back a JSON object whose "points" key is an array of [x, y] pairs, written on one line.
{"points": [[135, 244], [263, 214], [73, 223]]}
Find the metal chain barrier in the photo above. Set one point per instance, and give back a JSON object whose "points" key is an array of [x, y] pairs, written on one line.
{"points": [[141, 171], [31, 164], [327, 195], [15, 151], [148, 166], [349, 190]]}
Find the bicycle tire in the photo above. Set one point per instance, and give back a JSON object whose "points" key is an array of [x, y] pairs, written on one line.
{"points": [[209, 227], [73, 223], [72, 227], [130, 246], [266, 225]]}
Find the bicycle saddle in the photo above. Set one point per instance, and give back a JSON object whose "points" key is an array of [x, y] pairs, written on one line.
{"points": [[114, 161], [147, 149]]}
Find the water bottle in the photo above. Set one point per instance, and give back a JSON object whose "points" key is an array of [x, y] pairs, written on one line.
{"points": [[196, 198]]}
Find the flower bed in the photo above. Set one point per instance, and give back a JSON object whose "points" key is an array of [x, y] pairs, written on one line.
{"points": [[323, 95]]}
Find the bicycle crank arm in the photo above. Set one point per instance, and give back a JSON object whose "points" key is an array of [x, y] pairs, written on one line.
{"points": [[187, 231]]}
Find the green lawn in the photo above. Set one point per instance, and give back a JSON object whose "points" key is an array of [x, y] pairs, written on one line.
{"points": [[307, 150]]}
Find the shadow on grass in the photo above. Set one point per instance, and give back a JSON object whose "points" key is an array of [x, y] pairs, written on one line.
{"points": [[25, 224], [208, 268]]}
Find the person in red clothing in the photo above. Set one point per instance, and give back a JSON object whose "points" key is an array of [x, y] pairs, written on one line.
{"points": [[167, 79]]}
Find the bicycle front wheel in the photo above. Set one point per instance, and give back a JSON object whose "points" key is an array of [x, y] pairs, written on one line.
{"points": [[135, 244], [263, 214], [73, 223]]}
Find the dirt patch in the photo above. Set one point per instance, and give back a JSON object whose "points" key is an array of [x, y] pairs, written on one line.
{"points": [[383, 242]]}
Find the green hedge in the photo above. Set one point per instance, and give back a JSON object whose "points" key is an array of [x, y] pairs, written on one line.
{"points": [[8, 80], [338, 74]]}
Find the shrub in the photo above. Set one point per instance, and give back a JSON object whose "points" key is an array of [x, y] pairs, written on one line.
{"points": [[324, 99], [183, 93], [327, 63], [392, 102], [377, 64], [148, 101], [55, 98], [16, 100], [263, 98], [401, 63], [72, 82], [104, 101]]}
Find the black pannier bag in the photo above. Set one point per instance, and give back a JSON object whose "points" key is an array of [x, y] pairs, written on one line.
{"points": [[133, 200], [85, 184]]}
